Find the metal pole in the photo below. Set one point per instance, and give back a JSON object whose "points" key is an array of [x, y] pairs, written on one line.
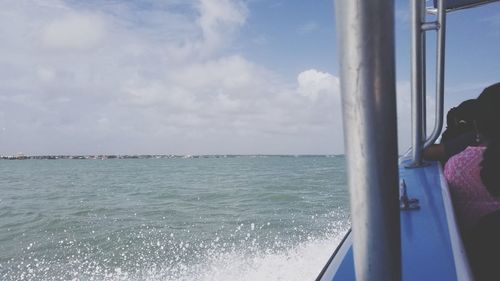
{"points": [[440, 59], [416, 80], [365, 30], [424, 83]]}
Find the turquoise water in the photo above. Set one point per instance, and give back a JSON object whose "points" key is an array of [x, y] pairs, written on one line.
{"points": [[241, 218]]}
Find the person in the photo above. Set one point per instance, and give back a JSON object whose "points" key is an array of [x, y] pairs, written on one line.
{"points": [[473, 176], [460, 120], [483, 248], [470, 196], [473, 173], [459, 132]]}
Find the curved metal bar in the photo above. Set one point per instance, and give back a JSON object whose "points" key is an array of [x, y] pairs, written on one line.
{"points": [[438, 124], [365, 31]]}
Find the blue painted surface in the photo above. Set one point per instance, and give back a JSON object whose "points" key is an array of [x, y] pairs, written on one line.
{"points": [[425, 239], [346, 269]]}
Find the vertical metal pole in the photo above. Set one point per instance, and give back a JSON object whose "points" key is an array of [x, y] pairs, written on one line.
{"points": [[440, 61], [365, 31], [424, 82], [417, 6]]}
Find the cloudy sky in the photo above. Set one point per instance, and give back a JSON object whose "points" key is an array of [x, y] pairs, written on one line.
{"points": [[198, 76]]}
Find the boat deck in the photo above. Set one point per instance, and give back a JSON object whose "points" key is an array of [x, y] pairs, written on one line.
{"points": [[431, 246]]}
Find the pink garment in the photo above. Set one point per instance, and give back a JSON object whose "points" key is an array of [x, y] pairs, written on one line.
{"points": [[470, 197]]}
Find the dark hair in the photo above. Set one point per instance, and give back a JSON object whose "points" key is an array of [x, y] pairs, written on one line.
{"points": [[488, 125], [460, 119]]}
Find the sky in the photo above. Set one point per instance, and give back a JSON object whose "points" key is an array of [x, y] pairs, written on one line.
{"points": [[202, 76]]}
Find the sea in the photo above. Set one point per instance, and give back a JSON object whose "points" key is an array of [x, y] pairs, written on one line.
{"points": [[207, 219]]}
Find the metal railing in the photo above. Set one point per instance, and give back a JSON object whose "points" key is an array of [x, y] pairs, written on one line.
{"points": [[418, 76]]}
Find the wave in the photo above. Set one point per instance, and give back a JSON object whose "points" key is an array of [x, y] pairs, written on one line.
{"points": [[217, 262]]}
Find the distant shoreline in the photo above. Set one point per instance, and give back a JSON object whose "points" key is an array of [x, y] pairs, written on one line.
{"points": [[154, 156]]}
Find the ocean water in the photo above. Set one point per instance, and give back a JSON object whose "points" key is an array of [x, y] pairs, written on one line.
{"points": [[236, 218]]}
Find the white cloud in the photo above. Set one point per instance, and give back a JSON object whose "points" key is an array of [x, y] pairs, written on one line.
{"points": [[117, 79], [313, 83], [230, 73], [218, 18], [74, 31], [46, 74]]}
